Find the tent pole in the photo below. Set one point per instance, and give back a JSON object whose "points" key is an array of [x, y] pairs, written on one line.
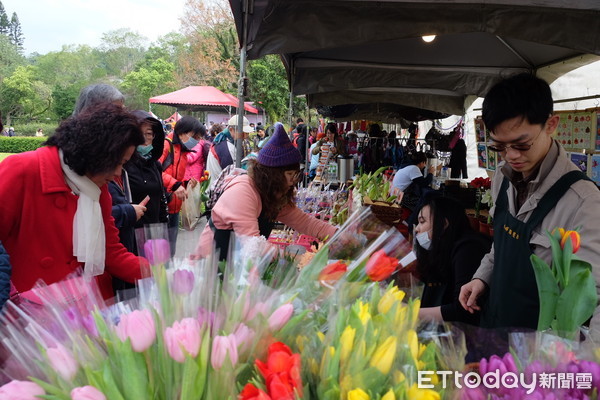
{"points": [[239, 150]]}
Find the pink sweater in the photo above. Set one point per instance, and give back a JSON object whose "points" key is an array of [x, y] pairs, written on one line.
{"points": [[196, 164], [238, 208]]}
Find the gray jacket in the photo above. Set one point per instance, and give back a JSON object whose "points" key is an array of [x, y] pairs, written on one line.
{"points": [[578, 208]]}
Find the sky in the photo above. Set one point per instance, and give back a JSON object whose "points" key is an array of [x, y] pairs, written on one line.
{"points": [[47, 25]]}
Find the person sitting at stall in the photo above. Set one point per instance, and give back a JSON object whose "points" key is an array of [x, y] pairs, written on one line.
{"points": [[252, 202], [55, 214], [448, 253], [411, 181]]}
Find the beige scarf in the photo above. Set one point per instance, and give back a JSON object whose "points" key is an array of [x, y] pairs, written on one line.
{"points": [[89, 237]]}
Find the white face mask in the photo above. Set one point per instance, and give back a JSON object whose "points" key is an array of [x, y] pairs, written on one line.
{"points": [[423, 240]]}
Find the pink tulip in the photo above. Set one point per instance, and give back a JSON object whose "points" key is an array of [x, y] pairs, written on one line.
{"points": [[87, 393], [243, 337], [509, 362], [280, 317], [259, 308], [223, 345], [183, 335], [62, 362], [157, 251], [21, 390], [183, 281], [139, 327]]}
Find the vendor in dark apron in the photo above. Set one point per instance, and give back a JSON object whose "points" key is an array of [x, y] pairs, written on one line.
{"points": [[513, 299]]}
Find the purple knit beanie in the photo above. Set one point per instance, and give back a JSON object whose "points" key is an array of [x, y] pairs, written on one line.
{"points": [[279, 151]]}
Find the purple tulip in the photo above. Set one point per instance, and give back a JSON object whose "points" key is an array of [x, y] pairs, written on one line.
{"points": [[157, 251], [509, 362], [21, 390], [183, 281]]}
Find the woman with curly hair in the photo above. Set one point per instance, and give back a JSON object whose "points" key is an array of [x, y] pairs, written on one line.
{"points": [[252, 202], [55, 214]]}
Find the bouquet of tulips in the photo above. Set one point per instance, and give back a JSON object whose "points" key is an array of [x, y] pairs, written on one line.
{"points": [[185, 336], [544, 366]]}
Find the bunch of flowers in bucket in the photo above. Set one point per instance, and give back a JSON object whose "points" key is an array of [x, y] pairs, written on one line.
{"points": [[483, 190]]}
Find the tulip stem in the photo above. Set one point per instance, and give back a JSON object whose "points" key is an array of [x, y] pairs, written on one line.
{"points": [[150, 371]]}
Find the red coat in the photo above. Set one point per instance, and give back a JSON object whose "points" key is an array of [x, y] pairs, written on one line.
{"points": [[174, 173], [36, 223]]}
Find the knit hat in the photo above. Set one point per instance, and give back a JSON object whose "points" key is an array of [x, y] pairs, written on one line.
{"points": [[279, 151]]}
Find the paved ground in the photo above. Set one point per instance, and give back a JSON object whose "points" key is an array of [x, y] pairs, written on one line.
{"points": [[187, 240]]}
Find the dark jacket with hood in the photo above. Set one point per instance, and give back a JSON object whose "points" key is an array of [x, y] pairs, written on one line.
{"points": [[144, 179]]}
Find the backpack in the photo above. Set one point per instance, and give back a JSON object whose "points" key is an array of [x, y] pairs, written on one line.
{"points": [[170, 157], [295, 140], [225, 178]]}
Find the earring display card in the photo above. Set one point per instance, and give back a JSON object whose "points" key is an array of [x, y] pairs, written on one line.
{"points": [[482, 155], [595, 168], [575, 129], [580, 160], [492, 160], [480, 130]]}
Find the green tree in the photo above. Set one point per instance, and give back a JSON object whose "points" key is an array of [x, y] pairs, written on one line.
{"points": [[24, 95], [4, 22], [268, 85], [63, 100], [122, 50], [144, 83], [72, 64], [9, 58], [15, 34]]}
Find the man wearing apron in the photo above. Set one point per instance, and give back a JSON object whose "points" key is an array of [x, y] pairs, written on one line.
{"points": [[536, 189]]}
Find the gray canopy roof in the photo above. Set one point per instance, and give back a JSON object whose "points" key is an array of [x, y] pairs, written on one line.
{"points": [[340, 52]]}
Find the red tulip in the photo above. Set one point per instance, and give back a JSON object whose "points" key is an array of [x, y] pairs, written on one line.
{"points": [[380, 266], [333, 271], [281, 372], [280, 387], [575, 240], [251, 392]]}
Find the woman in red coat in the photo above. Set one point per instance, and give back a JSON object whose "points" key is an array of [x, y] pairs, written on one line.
{"points": [[174, 161], [55, 213]]}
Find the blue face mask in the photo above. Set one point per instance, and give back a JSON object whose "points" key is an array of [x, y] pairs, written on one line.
{"points": [[191, 143], [423, 240], [145, 151]]}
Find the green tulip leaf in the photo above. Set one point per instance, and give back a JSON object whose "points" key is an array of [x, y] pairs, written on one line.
{"points": [[557, 265], [548, 291], [577, 302]]}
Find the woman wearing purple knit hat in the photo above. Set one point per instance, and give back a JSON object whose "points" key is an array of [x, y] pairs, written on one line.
{"points": [[252, 202]]}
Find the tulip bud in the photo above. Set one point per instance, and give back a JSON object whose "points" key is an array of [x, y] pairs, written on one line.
{"points": [[183, 281], [157, 251], [347, 343], [384, 355], [183, 335], [223, 345], [139, 327], [87, 393], [575, 240], [21, 390], [358, 394], [280, 317], [389, 395], [62, 362], [380, 266]]}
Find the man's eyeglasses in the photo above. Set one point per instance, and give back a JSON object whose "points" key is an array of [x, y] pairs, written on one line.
{"points": [[499, 148]]}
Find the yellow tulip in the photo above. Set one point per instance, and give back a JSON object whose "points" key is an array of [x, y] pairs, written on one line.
{"points": [[358, 394], [413, 344], [400, 319], [313, 366], [414, 393], [390, 297], [321, 336], [331, 351], [389, 395], [347, 341], [399, 377], [384, 355], [415, 312], [300, 340], [364, 314]]}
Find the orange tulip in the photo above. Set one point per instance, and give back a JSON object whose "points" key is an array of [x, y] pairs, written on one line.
{"points": [[333, 271], [575, 240], [380, 266]]}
